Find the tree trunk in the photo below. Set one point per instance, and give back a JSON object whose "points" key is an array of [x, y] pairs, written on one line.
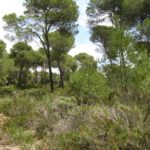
{"points": [[124, 79], [36, 76], [50, 72], [20, 77], [62, 79], [61, 82], [112, 81]]}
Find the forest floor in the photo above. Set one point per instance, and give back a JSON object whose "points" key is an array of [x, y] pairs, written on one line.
{"points": [[4, 145], [9, 147], [32, 120]]}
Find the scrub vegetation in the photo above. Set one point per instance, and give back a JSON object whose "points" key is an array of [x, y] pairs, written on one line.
{"points": [[87, 104]]}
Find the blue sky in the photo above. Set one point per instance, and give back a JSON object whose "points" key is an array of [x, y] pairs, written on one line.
{"points": [[82, 44]]}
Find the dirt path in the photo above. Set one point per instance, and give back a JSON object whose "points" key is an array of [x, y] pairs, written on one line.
{"points": [[9, 147]]}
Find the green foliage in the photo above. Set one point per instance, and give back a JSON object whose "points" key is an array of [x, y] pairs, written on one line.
{"points": [[119, 127], [89, 86], [20, 52], [121, 12], [145, 29], [6, 64], [40, 9], [85, 61], [61, 41], [101, 34], [6, 67], [60, 123], [18, 135], [122, 56], [7, 90], [69, 66], [99, 109], [16, 27], [23, 56], [39, 58], [40, 18], [2, 49], [17, 106]]}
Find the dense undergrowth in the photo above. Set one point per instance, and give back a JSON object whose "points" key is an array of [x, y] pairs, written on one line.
{"points": [[58, 121], [89, 103]]}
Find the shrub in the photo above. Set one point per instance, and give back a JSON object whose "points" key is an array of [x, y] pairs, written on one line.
{"points": [[7, 90], [89, 86], [52, 115], [18, 135], [102, 128]]}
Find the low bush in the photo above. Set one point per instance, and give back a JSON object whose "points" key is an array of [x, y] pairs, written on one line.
{"points": [[18, 135], [59, 123], [7, 90], [102, 128], [89, 87]]}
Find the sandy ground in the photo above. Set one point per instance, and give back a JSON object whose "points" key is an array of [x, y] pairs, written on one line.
{"points": [[9, 147]]}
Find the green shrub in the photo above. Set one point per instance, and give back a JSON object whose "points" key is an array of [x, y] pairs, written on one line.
{"points": [[50, 115], [89, 86], [61, 124], [19, 106], [18, 135], [7, 90], [102, 128], [37, 93]]}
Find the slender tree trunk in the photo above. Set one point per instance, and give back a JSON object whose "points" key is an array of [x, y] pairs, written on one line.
{"points": [[62, 79], [20, 76], [36, 76], [47, 49], [42, 75], [124, 80], [112, 81], [50, 72], [124, 72], [121, 73], [61, 82]]}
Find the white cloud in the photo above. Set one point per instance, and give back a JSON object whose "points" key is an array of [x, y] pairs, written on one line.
{"points": [[82, 9], [83, 18], [10, 6], [7, 7], [86, 48], [82, 21]]}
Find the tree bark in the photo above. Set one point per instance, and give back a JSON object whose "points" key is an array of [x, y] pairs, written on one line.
{"points": [[50, 72], [20, 77], [61, 83], [124, 79]]}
